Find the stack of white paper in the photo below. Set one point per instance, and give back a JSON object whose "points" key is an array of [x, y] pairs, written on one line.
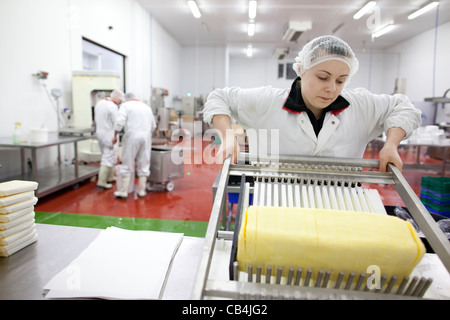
{"points": [[17, 229], [118, 264]]}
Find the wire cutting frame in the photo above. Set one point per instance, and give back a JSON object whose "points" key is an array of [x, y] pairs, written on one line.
{"points": [[346, 170]]}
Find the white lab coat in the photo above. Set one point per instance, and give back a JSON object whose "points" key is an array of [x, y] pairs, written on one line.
{"points": [[105, 112], [345, 134], [138, 121]]}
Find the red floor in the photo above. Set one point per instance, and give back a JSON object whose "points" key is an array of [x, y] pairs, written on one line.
{"points": [[191, 199], [388, 194]]}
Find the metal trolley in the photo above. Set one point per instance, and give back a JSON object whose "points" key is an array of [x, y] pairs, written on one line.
{"points": [[163, 170], [340, 170]]}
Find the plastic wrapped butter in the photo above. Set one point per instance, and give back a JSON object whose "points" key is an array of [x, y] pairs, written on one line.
{"points": [[328, 240]]}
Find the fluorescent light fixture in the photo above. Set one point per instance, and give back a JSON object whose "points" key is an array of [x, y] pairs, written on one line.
{"points": [[251, 29], [249, 51], [367, 8], [252, 9], [423, 10], [383, 30], [194, 9]]}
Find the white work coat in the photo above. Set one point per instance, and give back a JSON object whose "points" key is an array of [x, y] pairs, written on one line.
{"points": [[105, 114], [138, 121], [345, 133]]}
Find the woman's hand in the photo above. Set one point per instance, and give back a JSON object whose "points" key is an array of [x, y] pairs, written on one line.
{"points": [[389, 152], [229, 146]]}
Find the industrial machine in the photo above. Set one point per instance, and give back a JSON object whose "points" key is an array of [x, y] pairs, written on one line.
{"points": [[440, 114], [88, 87], [192, 111], [161, 112], [291, 172], [192, 106]]}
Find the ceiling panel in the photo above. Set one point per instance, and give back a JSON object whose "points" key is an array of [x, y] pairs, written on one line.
{"points": [[224, 23]]}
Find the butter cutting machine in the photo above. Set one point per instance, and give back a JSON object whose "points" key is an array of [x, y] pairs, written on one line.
{"points": [[317, 171]]}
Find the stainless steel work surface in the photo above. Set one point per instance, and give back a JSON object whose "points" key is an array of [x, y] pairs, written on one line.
{"points": [[24, 274], [56, 177], [53, 139]]}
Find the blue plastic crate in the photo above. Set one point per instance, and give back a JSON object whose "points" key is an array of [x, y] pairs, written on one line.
{"points": [[234, 198]]}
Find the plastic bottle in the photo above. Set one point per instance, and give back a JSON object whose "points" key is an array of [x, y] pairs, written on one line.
{"points": [[16, 135]]}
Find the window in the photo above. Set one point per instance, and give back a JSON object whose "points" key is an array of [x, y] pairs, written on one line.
{"points": [[98, 57], [290, 73]]}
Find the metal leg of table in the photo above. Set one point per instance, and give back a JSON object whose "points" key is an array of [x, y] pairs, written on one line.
{"points": [[444, 161], [59, 154], [35, 165], [418, 155], [22, 161], [75, 148]]}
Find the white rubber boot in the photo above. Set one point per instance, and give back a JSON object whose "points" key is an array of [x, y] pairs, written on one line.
{"points": [[111, 177], [102, 176], [142, 186], [123, 192]]}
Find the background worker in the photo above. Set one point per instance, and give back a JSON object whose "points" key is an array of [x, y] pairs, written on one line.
{"points": [[317, 116], [138, 121], [106, 112]]}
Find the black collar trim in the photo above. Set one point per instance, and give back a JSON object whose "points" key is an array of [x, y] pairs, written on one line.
{"points": [[295, 104]]}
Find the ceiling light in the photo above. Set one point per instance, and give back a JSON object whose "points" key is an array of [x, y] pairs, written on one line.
{"points": [[249, 51], [367, 8], [383, 30], [194, 9], [423, 10], [251, 29], [252, 9]]}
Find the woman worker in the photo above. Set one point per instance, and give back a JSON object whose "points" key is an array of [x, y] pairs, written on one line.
{"points": [[317, 116]]}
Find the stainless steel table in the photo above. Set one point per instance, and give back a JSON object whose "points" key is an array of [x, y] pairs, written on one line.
{"points": [[24, 274], [56, 177]]}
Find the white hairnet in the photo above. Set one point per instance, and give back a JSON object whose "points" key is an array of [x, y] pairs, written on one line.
{"points": [[116, 94], [130, 96], [323, 49]]}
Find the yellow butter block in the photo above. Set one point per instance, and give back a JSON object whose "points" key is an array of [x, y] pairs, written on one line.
{"points": [[327, 239]]}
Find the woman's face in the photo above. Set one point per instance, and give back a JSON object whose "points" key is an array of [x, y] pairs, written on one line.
{"points": [[322, 84]]}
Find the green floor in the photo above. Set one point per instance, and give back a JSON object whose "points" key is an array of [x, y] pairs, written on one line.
{"points": [[189, 228]]}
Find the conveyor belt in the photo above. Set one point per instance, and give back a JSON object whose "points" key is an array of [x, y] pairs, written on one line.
{"points": [[294, 174]]}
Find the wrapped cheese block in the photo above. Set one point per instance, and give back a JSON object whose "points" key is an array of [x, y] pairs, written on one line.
{"points": [[16, 186], [17, 224], [334, 240], [18, 206], [16, 214], [20, 243], [19, 197], [17, 236]]}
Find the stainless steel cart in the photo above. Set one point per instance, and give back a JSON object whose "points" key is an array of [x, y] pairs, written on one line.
{"points": [[163, 170]]}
